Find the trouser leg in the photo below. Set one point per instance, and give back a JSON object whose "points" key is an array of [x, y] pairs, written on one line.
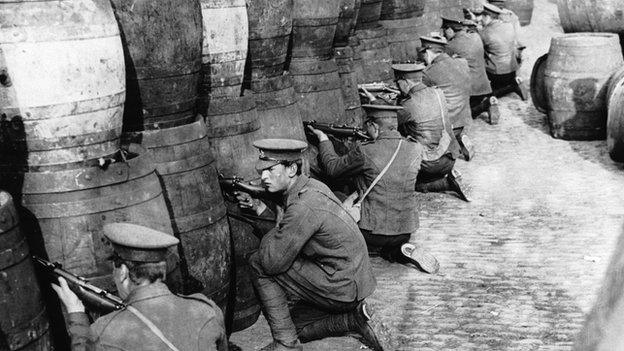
{"points": [[479, 104], [388, 246], [503, 84], [432, 175]]}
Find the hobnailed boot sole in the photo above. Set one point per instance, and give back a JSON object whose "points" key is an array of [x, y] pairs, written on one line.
{"points": [[494, 111], [420, 258], [468, 148], [455, 186], [372, 332]]}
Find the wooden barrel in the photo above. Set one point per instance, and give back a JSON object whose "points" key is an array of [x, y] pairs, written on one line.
{"points": [[163, 59], [615, 116], [369, 14], [71, 207], [435, 9], [278, 110], [523, 9], [186, 169], [232, 125], [375, 55], [577, 71], [345, 59], [62, 76], [591, 16], [319, 91], [404, 38], [314, 27], [270, 26], [538, 90], [349, 10], [400, 9], [24, 323], [354, 44], [224, 51]]}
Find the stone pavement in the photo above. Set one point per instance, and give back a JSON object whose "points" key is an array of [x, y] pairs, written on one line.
{"points": [[522, 263]]}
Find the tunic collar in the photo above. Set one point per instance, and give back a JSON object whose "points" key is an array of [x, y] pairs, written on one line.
{"points": [[147, 292], [389, 134], [442, 57], [291, 193]]}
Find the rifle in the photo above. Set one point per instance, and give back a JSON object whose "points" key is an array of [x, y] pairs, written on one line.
{"points": [[338, 130], [95, 297], [229, 184]]}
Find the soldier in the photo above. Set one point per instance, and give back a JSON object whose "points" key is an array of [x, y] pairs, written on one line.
{"points": [[468, 44], [452, 75], [500, 53], [155, 318], [390, 210], [311, 271], [425, 120], [510, 17]]}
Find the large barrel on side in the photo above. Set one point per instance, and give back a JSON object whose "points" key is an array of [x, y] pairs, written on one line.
{"points": [[538, 90], [232, 125], [70, 208], [224, 52], [523, 9], [375, 54], [349, 10], [270, 26], [591, 16], [404, 38], [370, 11], [615, 116], [61, 75], [577, 71], [314, 27], [24, 323], [163, 56], [400, 9], [185, 167], [347, 70], [319, 91], [278, 110]]}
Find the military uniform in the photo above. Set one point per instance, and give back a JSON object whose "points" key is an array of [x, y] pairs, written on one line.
{"points": [[312, 267], [188, 322]]}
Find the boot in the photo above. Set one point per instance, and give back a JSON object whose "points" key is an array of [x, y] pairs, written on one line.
{"points": [[493, 110], [278, 346], [454, 185], [521, 89], [422, 259], [371, 331], [437, 186], [467, 148]]}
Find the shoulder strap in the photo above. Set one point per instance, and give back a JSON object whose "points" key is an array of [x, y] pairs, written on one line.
{"points": [[396, 152], [152, 327]]}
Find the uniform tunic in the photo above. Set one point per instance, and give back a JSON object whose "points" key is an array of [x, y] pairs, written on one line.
{"points": [[500, 47], [391, 207], [469, 46], [452, 75], [191, 323]]}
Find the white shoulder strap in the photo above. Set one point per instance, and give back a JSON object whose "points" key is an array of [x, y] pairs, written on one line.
{"points": [[396, 152], [152, 327]]}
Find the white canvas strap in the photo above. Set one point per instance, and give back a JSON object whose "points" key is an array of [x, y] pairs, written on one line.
{"points": [[396, 152], [152, 327]]}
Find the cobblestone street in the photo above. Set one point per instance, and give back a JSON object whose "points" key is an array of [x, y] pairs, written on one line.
{"points": [[522, 263]]}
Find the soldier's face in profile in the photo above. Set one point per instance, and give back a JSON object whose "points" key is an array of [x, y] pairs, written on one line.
{"points": [[277, 178]]}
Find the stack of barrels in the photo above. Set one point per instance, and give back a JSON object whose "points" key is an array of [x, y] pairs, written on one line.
{"points": [[403, 20], [372, 43]]}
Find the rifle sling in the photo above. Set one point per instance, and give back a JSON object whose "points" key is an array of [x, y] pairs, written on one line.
{"points": [[152, 327]]}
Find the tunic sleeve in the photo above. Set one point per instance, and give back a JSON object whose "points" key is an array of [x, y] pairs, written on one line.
{"points": [[349, 164]]}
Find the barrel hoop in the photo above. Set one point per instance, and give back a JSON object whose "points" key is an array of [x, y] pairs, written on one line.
{"points": [[184, 165], [281, 34], [14, 255], [276, 99], [169, 70], [224, 57], [57, 33], [33, 113], [144, 190], [81, 140], [312, 68], [171, 136], [235, 105], [174, 108], [211, 81], [36, 328], [201, 219], [233, 129], [220, 4], [315, 22]]}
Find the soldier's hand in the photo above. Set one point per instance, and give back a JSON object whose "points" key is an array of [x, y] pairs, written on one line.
{"points": [[319, 134], [68, 297], [245, 201]]}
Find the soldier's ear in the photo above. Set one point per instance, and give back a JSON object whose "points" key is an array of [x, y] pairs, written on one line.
{"points": [[291, 169]]}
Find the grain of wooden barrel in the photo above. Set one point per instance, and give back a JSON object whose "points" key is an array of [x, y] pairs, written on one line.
{"points": [[186, 169], [615, 116], [354, 44], [318, 88], [345, 59], [62, 80], [375, 54], [401, 9], [538, 90], [270, 27], [278, 109], [591, 16], [70, 208], [232, 125], [523, 9], [576, 76], [314, 27], [24, 323], [349, 11], [404, 38], [162, 42], [370, 12], [224, 51]]}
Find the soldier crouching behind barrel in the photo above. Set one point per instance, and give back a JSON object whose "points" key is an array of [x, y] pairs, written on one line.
{"points": [[154, 318], [384, 172], [311, 270], [425, 121]]}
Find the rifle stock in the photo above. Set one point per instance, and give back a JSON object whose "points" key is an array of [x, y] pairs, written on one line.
{"points": [[338, 130], [93, 296]]}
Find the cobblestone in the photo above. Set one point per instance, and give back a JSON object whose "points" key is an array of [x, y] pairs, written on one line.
{"points": [[521, 264]]}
